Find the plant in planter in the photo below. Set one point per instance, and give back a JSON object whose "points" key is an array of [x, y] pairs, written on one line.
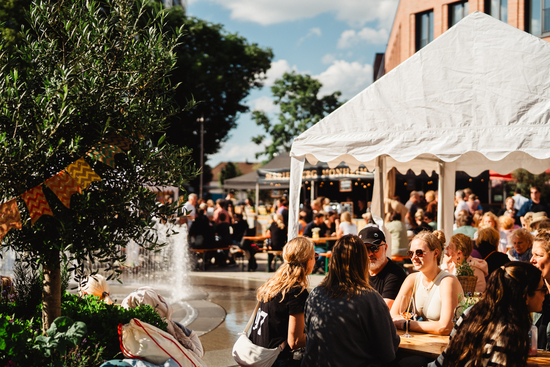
{"points": [[466, 277]]}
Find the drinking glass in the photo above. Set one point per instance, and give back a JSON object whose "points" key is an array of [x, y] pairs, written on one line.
{"points": [[407, 311]]}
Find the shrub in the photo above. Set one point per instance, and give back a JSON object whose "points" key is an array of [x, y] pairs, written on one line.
{"points": [[102, 320]]}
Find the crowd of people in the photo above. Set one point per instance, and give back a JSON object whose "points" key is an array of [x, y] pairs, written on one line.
{"points": [[353, 316]]}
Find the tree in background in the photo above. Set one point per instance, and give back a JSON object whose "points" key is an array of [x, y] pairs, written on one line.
{"points": [[525, 180], [87, 75], [12, 16], [217, 69], [300, 108], [229, 171]]}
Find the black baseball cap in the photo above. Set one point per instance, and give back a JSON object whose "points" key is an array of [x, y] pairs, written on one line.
{"points": [[372, 235]]}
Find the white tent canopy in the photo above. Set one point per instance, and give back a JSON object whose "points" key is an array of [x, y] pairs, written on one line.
{"points": [[476, 98]]}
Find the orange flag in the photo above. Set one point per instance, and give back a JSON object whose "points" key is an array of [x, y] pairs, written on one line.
{"points": [[64, 186], [105, 153], [37, 204], [83, 174], [9, 217]]}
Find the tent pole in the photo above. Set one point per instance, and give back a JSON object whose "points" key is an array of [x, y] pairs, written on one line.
{"points": [[257, 197], [296, 172], [445, 206], [312, 192]]}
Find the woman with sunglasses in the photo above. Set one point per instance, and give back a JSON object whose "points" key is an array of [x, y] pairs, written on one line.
{"points": [[280, 316], [495, 331], [435, 291]]}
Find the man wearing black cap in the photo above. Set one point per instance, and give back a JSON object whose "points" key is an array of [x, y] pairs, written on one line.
{"points": [[386, 276]]}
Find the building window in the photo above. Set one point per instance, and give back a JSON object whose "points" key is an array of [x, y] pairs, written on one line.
{"points": [[457, 11], [497, 9], [424, 29], [538, 16]]}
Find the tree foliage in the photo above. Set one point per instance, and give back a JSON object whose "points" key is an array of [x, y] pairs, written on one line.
{"points": [[229, 171], [525, 180], [12, 17], [217, 69], [82, 73], [300, 108]]}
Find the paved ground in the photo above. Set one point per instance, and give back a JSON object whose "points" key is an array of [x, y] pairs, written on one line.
{"points": [[217, 305]]}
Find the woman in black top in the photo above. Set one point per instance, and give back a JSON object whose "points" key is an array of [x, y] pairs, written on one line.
{"points": [[280, 316], [278, 232]]}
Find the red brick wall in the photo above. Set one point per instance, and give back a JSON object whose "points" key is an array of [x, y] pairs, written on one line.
{"points": [[401, 44]]}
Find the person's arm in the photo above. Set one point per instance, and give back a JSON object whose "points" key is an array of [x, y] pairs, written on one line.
{"points": [[411, 220], [339, 231], [389, 302], [449, 291], [296, 335], [406, 289]]}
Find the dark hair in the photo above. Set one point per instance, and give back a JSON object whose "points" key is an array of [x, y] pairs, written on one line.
{"points": [[395, 216], [429, 216], [534, 187], [517, 190], [502, 310], [221, 217], [464, 220], [348, 272], [319, 215]]}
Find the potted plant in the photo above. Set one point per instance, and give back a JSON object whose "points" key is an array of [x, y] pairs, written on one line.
{"points": [[466, 277]]}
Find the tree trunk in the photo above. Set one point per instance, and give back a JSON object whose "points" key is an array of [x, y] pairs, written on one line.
{"points": [[51, 292]]}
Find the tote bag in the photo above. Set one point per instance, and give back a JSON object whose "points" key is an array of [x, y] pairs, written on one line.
{"points": [[141, 340], [248, 354]]}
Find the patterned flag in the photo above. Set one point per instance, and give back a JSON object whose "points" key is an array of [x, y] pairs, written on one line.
{"points": [[105, 153], [83, 173], [37, 204], [9, 217], [64, 186], [119, 141]]}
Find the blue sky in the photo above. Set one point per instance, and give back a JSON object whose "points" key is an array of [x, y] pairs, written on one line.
{"points": [[333, 41]]}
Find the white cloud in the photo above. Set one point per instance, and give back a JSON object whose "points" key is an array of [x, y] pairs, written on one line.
{"points": [[351, 38], [277, 69], [263, 103], [354, 12], [347, 77], [328, 59], [238, 152], [312, 32]]}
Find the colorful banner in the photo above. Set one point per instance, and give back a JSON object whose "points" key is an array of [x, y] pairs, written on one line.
{"points": [[63, 186], [105, 153], [83, 173], [36, 203], [122, 143], [9, 217]]}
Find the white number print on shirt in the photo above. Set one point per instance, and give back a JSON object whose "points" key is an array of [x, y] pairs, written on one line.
{"points": [[260, 318]]}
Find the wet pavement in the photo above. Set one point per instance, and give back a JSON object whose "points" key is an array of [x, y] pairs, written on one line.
{"points": [[217, 304]]}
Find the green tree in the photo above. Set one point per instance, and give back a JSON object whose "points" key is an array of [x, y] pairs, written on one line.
{"points": [[217, 69], [12, 17], [525, 180], [229, 171], [82, 73], [300, 108]]}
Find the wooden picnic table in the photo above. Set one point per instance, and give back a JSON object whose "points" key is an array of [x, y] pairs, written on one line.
{"points": [[324, 239], [256, 238], [431, 346]]}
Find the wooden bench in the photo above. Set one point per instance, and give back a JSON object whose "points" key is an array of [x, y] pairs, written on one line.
{"points": [[203, 252]]}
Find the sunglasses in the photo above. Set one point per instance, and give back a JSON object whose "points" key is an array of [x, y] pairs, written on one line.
{"points": [[419, 253], [316, 257], [374, 248], [544, 290]]}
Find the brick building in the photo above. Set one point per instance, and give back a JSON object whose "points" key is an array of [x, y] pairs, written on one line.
{"points": [[418, 22]]}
